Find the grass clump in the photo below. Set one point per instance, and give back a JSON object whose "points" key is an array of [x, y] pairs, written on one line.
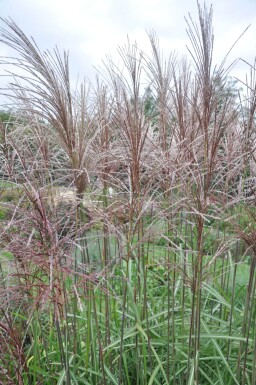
{"points": [[128, 249]]}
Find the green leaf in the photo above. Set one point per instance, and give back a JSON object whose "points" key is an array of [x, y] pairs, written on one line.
{"points": [[217, 347], [191, 374], [216, 295], [153, 350], [110, 375], [155, 371]]}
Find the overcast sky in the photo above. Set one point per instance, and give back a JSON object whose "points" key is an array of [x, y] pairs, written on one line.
{"points": [[91, 29]]}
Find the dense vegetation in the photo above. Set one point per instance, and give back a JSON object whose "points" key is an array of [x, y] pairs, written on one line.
{"points": [[127, 220]]}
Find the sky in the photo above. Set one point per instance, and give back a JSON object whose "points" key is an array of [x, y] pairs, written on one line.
{"points": [[93, 29]]}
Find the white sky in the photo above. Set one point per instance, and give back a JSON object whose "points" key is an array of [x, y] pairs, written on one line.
{"points": [[91, 29]]}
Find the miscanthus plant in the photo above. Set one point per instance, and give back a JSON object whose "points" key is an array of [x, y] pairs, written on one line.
{"points": [[127, 230]]}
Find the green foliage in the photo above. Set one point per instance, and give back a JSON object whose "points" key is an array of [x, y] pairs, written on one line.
{"points": [[145, 336], [5, 116]]}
